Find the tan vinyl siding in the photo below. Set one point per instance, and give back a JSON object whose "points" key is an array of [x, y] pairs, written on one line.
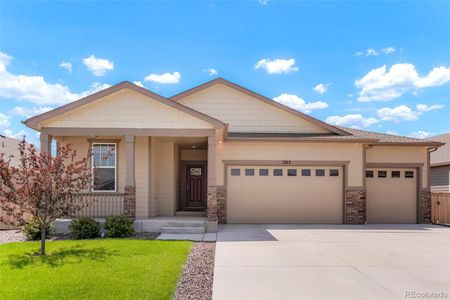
{"points": [[166, 179], [194, 154], [244, 113], [126, 109], [293, 151], [154, 178], [403, 154]]}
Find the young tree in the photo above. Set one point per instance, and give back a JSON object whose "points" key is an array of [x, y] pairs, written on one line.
{"points": [[42, 186]]}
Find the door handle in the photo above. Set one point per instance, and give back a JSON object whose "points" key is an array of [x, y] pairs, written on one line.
{"points": [[187, 188]]}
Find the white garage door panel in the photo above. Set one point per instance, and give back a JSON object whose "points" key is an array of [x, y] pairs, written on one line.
{"points": [[391, 199], [284, 199]]}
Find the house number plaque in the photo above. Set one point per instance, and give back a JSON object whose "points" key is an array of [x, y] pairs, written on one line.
{"points": [[285, 162]]}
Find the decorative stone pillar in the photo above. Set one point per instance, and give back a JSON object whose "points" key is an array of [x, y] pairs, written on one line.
{"points": [[129, 202], [221, 204], [212, 188], [425, 206], [355, 206]]}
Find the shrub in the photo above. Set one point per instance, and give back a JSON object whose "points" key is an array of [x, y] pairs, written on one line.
{"points": [[119, 226], [84, 228], [32, 230]]}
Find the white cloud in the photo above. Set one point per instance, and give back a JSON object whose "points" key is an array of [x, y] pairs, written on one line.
{"points": [[375, 52], [166, 78], [263, 2], [66, 65], [388, 50], [15, 135], [405, 113], [98, 66], [352, 120], [421, 134], [295, 102], [35, 89], [29, 112], [139, 83], [382, 85], [277, 66], [321, 88], [211, 71], [4, 121]]}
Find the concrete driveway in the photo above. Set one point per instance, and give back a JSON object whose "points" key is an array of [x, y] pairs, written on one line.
{"points": [[332, 262]]}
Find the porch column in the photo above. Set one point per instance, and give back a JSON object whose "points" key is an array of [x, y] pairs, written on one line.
{"points": [[212, 187], [46, 143], [129, 205]]}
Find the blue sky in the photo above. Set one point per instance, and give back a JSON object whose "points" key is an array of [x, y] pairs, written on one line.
{"points": [[377, 66]]}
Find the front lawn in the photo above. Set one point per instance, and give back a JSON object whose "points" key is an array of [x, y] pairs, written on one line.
{"points": [[92, 269]]}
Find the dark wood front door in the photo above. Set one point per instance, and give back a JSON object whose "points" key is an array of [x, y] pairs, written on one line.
{"points": [[195, 186]]}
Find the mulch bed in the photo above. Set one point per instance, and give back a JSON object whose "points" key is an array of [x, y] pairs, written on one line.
{"points": [[197, 278]]}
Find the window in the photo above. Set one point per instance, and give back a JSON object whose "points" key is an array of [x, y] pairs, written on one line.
{"points": [[369, 174], [195, 171], [263, 172], [104, 167], [292, 172], [235, 172], [277, 172], [409, 174], [306, 172], [334, 172], [382, 174], [320, 172], [395, 174], [249, 172]]}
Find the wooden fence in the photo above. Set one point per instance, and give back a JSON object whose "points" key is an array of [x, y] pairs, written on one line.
{"points": [[440, 208]]}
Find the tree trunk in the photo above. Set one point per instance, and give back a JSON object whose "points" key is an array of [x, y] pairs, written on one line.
{"points": [[43, 233]]}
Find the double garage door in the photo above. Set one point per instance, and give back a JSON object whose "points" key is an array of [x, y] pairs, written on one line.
{"points": [[315, 194], [266, 194]]}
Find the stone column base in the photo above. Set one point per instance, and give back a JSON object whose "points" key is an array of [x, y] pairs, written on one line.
{"points": [[212, 203], [425, 207], [221, 204], [129, 202], [355, 206]]}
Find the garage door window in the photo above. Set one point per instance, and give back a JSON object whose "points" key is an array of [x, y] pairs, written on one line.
{"points": [[263, 172], [409, 174], [235, 172], [306, 172], [395, 174], [320, 172], [334, 172], [292, 172], [249, 172], [277, 172], [382, 174], [369, 174]]}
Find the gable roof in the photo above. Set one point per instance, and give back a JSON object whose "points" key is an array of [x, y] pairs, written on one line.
{"points": [[34, 121], [389, 139], [260, 97], [441, 157]]}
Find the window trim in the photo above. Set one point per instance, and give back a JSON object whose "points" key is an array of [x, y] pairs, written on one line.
{"points": [[105, 167]]}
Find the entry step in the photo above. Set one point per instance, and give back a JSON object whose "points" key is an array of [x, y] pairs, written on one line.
{"points": [[187, 213], [183, 230]]}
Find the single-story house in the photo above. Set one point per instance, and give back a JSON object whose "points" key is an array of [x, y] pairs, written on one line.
{"points": [[240, 157], [440, 165]]}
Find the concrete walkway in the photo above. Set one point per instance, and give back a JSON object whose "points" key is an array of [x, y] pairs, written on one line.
{"points": [[331, 262]]}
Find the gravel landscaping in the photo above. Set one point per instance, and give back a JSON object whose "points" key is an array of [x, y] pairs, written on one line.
{"points": [[8, 236], [197, 279]]}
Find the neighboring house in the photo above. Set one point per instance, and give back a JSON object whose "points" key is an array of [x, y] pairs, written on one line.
{"points": [[9, 147], [241, 157], [440, 165]]}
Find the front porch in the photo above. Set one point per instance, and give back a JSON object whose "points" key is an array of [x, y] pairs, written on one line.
{"points": [[166, 183]]}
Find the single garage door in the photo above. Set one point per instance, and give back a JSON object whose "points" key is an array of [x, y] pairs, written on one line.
{"points": [[267, 194], [391, 195]]}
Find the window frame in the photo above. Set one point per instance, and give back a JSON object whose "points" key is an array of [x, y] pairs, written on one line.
{"points": [[93, 190]]}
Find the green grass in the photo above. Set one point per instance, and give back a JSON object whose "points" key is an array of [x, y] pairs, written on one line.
{"points": [[92, 269]]}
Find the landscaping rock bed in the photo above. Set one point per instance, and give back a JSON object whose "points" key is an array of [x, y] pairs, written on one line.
{"points": [[8, 236], [196, 281]]}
